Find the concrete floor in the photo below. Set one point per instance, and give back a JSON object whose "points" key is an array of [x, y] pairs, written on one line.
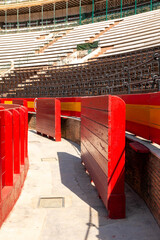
{"points": [[83, 216]]}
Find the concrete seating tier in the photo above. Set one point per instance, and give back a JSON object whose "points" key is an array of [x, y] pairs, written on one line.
{"points": [[121, 73], [133, 33]]}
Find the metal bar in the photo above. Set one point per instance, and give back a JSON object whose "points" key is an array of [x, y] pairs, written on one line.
{"points": [[121, 8], [66, 11], [5, 20], [42, 17], [92, 11], [151, 6], [80, 13], [29, 16], [54, 14], [135, 6], [17, 19], [106, 10]]}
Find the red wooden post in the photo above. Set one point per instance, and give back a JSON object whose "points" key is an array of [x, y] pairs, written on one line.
{"points": [[48, 117], [26, 133], [103, 149], [16, 140], [22, 133], [57, 120], [13, 139], [0, 176], [6, 148]]}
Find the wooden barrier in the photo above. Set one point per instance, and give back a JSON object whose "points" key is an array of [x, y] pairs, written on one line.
{"points": [[103, 149], [142, 112], [27, 102], [143, 115], [48, 118], [71, 106], [12, 172]]}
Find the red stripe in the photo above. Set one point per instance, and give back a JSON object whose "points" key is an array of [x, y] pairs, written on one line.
{"points": [[72, 99], [142, 99]]}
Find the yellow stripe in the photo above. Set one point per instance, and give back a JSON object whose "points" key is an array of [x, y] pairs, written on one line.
{"points": [[148, 115], [30, 104], [71, 106], [8, 102]]}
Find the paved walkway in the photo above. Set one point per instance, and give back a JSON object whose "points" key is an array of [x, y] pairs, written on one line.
{"points": [[55, 171]]}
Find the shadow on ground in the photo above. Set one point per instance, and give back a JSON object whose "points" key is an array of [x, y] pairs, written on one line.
{"points": [[138, 224]]}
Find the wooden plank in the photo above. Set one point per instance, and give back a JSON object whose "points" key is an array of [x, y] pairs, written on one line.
{"points": [[96, 115], [48, 118], [143, 115], [103, 149], [99, 130]]}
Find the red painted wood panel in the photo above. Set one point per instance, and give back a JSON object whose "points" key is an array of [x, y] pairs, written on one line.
{"points": [[6, 148], [148, 105], [48, 118], [10, 143], [26, 102], [16, 140], [22, 102], [22, 135], [71, 112], [103, 149]]}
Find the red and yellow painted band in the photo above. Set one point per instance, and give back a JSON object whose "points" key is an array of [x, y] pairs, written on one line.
{"points": [[148, 115], [8, 102], [30, 104], [71, 106]]}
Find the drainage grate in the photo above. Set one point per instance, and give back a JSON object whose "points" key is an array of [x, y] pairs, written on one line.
{"points": [[49, 159], [51, 202]]}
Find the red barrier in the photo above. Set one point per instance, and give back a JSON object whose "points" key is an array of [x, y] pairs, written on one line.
{"points": [[103, 149], [16, 140], [48, 119], [71, 106], [143, 115], [26, 102], [22, 102], [22, 134], [6, 148], [142, 112], [12, 173]]}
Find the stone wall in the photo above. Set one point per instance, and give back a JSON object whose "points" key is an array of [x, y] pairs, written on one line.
{"points": [[143, 175]]}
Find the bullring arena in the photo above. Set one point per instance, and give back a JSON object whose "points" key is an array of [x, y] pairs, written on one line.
{"points": [[79, 119]]}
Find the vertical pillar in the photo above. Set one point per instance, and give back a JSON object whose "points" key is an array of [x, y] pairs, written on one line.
{"points": [[5, 20], [121, 8], [106, 10], [17, 19], [92, 11], [54, 14], [67, 11], [80, 12], [29, 16], [135, 6], [151, 7], [42, 17]]}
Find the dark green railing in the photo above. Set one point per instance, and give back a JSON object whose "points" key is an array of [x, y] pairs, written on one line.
{"points": [[81, 18]]}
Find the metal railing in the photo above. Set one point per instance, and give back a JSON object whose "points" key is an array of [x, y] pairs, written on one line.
{"points": [[135, 72], [84, 18]]}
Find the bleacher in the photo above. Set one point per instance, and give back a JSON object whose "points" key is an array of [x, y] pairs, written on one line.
{"points": [[129, 66], [133, 33]]}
